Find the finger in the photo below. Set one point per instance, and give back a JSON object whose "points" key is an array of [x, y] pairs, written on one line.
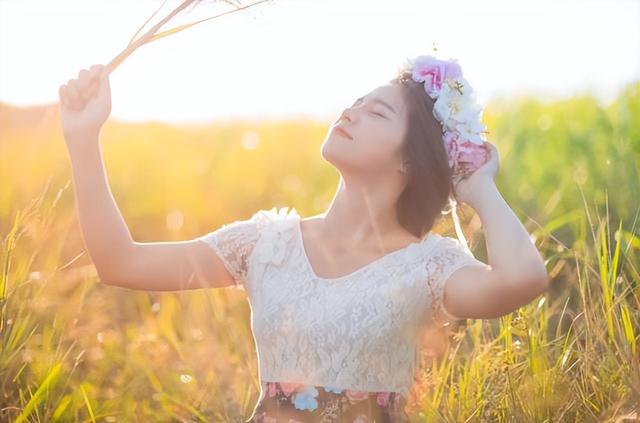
{"points": [[96, 74], [96, 70], [497, 153], [93, 89], [74, 96], [84, 81], [490, 148], [64, 99], [494, 150], [104, 87]]}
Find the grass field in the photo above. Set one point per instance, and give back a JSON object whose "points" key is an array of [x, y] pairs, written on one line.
{"points": [[73, 349]]}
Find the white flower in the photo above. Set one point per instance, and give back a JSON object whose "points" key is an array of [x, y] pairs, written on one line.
{"points": [[472, 131], [456, 108], [459, 111]]}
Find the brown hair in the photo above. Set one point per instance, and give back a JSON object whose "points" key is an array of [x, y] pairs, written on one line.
{"points": [[428, 191], [429, 185]]}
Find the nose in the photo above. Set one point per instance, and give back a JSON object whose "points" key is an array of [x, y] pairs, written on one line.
{"points": [[346, 116], [350, 113]]}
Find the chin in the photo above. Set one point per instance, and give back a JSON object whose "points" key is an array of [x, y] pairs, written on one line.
{"points": [[331, 151]]}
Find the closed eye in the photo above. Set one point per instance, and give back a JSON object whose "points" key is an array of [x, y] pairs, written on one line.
{"points": [[375, 113]]}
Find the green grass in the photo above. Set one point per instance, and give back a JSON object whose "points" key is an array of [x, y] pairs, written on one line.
{"points": [[73, 349]]}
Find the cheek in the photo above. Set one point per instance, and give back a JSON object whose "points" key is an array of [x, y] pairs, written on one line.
{"points": [[380, 150], [385, 138]]}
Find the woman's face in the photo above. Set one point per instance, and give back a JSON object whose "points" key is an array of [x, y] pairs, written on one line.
{"points": [[376, 124]]}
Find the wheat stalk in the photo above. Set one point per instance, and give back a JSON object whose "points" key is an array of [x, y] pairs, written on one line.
{"points": [[152, 34]]}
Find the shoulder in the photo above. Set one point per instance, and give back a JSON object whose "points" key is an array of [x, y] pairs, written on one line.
{"points": [[452, 253], [433, 243], [446, 243], [442, 248], [251, 227], [436, 243]]}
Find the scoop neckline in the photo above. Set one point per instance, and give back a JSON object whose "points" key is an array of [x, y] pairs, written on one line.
{"points": [[298, 227]]}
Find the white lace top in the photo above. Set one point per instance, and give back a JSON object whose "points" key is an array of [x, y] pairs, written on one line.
{"points": [[359, 331]]}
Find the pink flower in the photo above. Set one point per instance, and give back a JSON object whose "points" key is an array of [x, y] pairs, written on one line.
{"points": [[357, 395], [361, 418], [433, 72], [271, 389], [383, 398], [464, 154], [451, 146], [263, 418], [473, 155], [288, 388]]}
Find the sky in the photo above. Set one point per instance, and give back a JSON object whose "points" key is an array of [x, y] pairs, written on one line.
{"points": [[312, 58]]}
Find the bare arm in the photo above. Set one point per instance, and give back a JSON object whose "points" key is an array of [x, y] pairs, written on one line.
{"points": [[104, 230], [119, 260], [516, 273]]}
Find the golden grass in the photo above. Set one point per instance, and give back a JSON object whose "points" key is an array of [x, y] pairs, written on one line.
{"points": [[73, 349]]}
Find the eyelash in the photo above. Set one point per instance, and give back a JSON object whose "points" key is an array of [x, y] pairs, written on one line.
{"points": [[375, 113]]}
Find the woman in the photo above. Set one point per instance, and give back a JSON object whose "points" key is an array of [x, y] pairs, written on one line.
{"points": [[338, 300]]}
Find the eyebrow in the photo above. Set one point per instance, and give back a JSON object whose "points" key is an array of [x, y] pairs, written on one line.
{"points": [[377, 100]]}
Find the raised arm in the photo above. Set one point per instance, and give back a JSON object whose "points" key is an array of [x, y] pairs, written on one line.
{"points": [[516, 274], [85, 104]]}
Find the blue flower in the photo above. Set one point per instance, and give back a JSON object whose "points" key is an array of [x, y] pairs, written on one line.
{"points": [[306, 399], [335, 390]]}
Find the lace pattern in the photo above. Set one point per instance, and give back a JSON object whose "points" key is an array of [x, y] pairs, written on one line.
{"points": [[234, 243], [360, 332], [450, 255]]}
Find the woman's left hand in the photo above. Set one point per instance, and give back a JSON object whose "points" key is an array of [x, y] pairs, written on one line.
{"points": [[466, 190]]}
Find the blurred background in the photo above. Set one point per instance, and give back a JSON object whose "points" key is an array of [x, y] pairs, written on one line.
{"points": [[227, 117]]}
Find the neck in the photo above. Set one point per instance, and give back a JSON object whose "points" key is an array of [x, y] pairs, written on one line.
{"points": [[361, 215]]}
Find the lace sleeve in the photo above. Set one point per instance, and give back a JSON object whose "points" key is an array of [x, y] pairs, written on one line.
{"points": [[233, 243], [450, 255]]}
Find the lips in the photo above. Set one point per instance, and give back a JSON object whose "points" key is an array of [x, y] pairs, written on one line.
{"points": [[344, 132]]}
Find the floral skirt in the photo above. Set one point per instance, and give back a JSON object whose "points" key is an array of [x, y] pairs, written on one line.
{"points": [[298, 403]]}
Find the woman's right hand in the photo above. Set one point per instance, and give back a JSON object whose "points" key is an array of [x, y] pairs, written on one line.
{"points": [[85, 103]]}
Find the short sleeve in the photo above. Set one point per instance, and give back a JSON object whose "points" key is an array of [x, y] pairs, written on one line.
{"points": [[233, 243], [449, 255]]}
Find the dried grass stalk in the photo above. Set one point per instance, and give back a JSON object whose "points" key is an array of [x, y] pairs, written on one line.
{"points": [[153, 34]]}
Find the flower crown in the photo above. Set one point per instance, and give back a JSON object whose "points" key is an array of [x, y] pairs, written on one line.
{"points": [[456, 108]]}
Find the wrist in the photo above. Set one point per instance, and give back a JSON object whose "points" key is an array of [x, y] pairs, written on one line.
{"points": [[483, 192], [79, 135], [82, 143]]}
